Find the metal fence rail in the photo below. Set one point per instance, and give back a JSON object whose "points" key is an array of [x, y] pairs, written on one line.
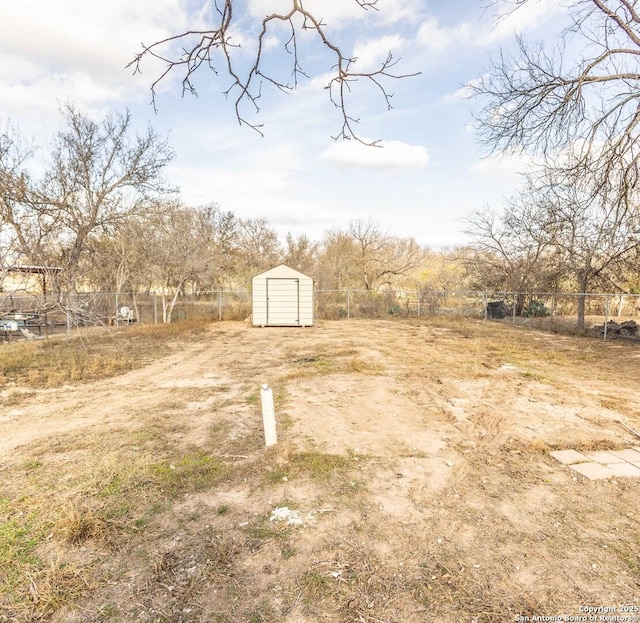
{"points": [[553, 310]]}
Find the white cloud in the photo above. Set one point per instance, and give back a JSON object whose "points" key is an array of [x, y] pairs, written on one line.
{"points": [[92, 36], [372, 53], [464, 92], [528, 16], [340, 13], [438, 38], [392, 155], [72, 50], [502, 165]]}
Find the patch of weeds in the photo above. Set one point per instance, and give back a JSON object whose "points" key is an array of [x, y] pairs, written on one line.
{"points": [[32, 466], [15, 397], [253, 398], [21, 531], [276, 476], [58, 585], [312, 365], [320, 466], [264, 531], [223, 552], [223, 509], [108, 611], [193, 472], [288, 551], [52, 363], [262, 612], [355, 364], [78, 524], [113, 486], [314, 584], [630, 558], [140, 523]]}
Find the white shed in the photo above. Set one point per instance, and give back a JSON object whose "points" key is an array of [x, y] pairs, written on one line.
{"points": [[282, 297]]}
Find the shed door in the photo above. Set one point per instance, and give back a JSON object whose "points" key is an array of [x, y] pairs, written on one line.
{"points": [[283, 301]]}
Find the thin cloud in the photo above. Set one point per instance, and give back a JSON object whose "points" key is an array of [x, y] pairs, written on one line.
{"points": [[532, 15], [393, 155], [436, 37], [502, 165], [528, 16], [370, 54]]}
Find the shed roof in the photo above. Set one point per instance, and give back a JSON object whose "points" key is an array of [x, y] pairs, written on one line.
{"points": [[280, 269]]}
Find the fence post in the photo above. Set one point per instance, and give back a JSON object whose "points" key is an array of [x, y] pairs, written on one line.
{"points": [[484, 303], [419, 295], [219, 304], [348, 304], [68, 315], [606, 316], [514, 308], [155, 308]]}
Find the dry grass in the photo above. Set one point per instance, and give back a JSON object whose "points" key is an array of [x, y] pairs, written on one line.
{"points": [[55, 362], [166, 517]]}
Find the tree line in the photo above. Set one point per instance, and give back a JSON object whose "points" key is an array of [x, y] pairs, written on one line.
{"points": [[101, 211]]}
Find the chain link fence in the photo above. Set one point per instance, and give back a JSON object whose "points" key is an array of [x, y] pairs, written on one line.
{"points": [[35, 315]]}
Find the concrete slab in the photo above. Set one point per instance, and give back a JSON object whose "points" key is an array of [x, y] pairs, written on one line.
{"points": [[593, 471], [606, 458], [568, 457], [624, 470], [630, 455]]}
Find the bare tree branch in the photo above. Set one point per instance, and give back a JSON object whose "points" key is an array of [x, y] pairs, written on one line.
{"points": [[213, 48], [588, 109]]}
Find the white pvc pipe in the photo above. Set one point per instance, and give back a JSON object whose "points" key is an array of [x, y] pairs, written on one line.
{"points": [[268, 416]]}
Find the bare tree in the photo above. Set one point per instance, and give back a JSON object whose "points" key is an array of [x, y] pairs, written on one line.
{"points": [[175, 249], [214, 48], [259, 249], [301, 253], [220, 233], [554, 101], [590, 229], [561, 227], [381, 258], [337, 269], [511, 250], [97, 175]]}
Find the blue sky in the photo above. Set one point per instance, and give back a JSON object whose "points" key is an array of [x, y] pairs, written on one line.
{"points": [[431, 172]]}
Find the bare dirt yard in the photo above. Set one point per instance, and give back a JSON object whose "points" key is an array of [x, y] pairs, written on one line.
{"points": [[412, 472]]}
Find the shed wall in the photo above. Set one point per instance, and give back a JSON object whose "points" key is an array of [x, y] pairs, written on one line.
{"points": [[282, 297]]}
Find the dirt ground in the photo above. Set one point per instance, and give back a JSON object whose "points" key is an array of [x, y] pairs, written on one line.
{"points": [[416, 455]]}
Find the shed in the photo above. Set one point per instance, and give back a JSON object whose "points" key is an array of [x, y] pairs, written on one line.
{"points": [[282, 297]]}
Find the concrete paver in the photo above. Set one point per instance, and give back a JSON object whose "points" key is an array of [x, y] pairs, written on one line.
{"points": [[593, 470], [630, 455], [605, 458], [599, 465], [568, 457], [624, 470]]}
